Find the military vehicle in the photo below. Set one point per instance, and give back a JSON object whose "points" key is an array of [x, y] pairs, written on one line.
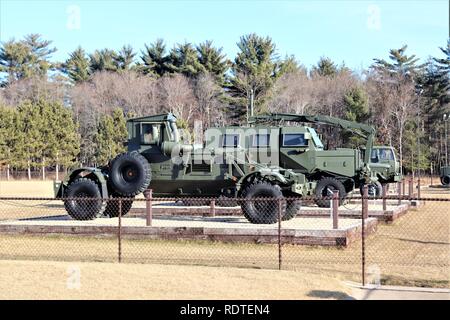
{"points": [[384, 164], [157, 158], [445, 175], [270, 140]]}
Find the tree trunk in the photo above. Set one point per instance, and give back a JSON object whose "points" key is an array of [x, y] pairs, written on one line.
{"points": [[29, 170], [43, 168], [7, 172], [57, 167]]}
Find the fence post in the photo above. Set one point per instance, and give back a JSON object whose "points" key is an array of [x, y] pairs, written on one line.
{"points": [[399, 189], [120, 231], [279, 233], [335, 208], [365, 209], [148, 206], [213, 208], [383, 195], [404, 187]]}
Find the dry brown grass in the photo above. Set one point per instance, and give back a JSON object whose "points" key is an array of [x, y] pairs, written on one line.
{"points": [[414, 250], [26, 189], [48, 280]]}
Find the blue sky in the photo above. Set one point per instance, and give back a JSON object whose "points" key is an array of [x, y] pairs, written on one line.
{"points": [[350, 31]]}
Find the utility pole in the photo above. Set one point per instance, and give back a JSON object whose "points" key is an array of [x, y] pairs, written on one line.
{"points": [[252, 93], [446, 117], [251, 105], [418, 134]]}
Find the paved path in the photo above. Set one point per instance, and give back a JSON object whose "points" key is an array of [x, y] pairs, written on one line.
{"points": [[398, 293]]}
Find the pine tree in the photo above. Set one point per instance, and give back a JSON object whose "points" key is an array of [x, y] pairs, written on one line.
{"points": [[30, 141], [255, 69], [125, 58], [155, 59], [325, 68], [356, 109], [184, 59], [121, 135], [40, 53], [289, 65], [401, 66], [25, 58], [77, 66], [110, 137], [212, 60], [443, 76], [103, 60], [7, 135]]}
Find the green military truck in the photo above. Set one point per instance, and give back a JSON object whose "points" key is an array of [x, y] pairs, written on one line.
{"points": [[157, 158], [445, 175], [277, 139], [385, 165]]}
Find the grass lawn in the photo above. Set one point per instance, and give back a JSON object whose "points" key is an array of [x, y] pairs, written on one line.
{"points": [[414, 250]]}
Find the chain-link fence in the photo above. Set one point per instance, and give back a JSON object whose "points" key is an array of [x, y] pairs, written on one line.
{"points": [[393, 239], [22, 175]]}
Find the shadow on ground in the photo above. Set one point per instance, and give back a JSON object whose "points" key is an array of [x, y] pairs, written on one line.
{"points": [[325, 294]]}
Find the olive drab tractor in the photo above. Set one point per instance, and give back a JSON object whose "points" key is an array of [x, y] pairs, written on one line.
{"points": [[230, 163]]}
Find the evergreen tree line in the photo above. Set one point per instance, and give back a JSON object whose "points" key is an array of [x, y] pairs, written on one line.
{"points": [[403, 99], [41, 134]]}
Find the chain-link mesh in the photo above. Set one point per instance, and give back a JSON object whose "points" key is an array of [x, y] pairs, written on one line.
{"points": [[405, 239]]}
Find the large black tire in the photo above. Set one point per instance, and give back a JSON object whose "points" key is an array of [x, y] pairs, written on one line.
{"points": [[292, 208], [262, 211], [112, 206], [445, 180], [375, 189], [83, 208], [129, 174], [324, 189]]}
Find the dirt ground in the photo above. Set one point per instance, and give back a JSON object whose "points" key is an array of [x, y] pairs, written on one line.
{"points": [[63, 280], [413, 251]]}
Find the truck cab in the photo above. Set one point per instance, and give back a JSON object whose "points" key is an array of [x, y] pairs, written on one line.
{"points": [[384, 163]]}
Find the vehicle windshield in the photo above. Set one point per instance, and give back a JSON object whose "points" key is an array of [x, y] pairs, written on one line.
{"points": [[294, 140], [382, 154]]}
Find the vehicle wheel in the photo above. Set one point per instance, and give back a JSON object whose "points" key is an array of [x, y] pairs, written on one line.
{"points": [[375, 189], [292, 208], [325, 188], [446, 180], [224, 201], [83, 208], [112, 207], [129, 174], [262, 211]]}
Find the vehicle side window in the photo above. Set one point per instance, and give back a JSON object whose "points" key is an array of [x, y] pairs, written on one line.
{"points": [[261, 140], [386, 154], [374, 156], [149, 133], [294, 140], [230, 140]]}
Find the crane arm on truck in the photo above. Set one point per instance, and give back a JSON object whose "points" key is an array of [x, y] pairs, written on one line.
{"points": [[363, 130]]}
